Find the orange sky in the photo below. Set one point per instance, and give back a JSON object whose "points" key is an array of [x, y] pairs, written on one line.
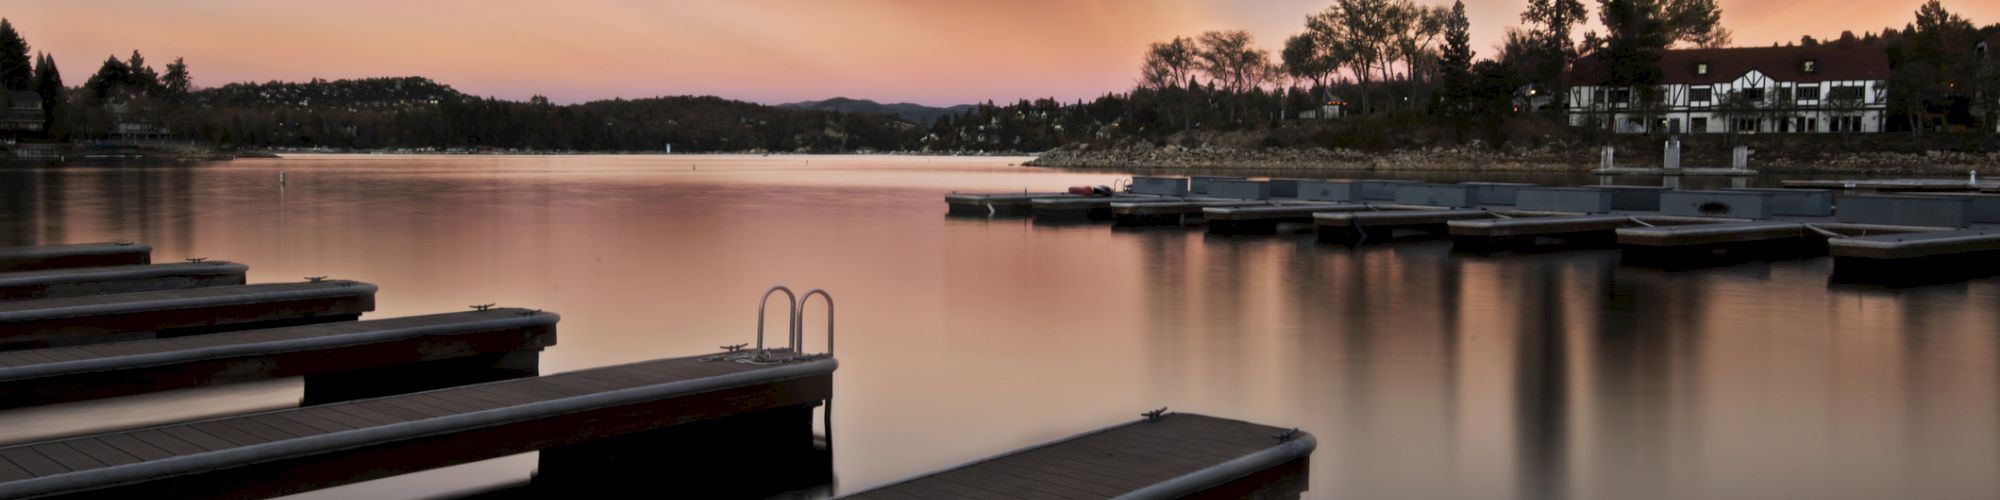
{"points": [[927, 51]]}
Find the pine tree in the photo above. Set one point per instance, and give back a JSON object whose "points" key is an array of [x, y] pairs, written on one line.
{"points": [[176, 83], [15, 71], [48, 81], [142, 76]]}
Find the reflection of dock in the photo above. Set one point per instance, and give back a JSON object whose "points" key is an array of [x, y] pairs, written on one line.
{"points": [[1654, 225], [1173, 456]]}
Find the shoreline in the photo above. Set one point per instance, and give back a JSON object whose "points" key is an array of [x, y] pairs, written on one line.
{"points": [[1477, 160]]}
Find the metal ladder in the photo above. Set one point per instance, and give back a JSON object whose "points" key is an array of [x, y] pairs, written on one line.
{"points": [[795, 338]]}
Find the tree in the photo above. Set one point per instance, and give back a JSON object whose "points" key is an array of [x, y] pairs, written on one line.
{"points": [[1361, 30], [1305, 59], [1455, 66], [15, 71], [1552, 48], [1635, 35], [48, 81], [110, 76], [142, 76], [1232, 60], [176, 84], [1930, 65], [1168, 64], [1695, 22]]}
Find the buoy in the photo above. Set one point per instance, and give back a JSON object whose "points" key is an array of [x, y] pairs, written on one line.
{"points": [[281, 177]]}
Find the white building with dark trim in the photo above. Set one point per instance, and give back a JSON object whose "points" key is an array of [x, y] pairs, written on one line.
{"points": [[1756, 90]]}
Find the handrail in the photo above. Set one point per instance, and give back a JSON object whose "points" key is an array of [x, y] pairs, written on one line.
{"points": [[798, 321], [794, 306]]}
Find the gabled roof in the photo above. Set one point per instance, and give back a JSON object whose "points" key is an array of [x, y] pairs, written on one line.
{"points": [[1785, 64]]}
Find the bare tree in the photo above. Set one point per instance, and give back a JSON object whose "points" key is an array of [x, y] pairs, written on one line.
{"points": [[1168, 64], [1232, 60]]}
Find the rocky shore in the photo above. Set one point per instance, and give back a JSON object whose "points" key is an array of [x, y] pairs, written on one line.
{"points": [[1475, 158]]}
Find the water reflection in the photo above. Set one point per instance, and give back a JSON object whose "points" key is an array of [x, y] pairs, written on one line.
{"points": [[1426, 374]]}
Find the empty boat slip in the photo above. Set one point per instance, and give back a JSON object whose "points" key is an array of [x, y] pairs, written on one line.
{"points": [[79, 255], [301, 449], [27, 324], [996, 204], [57, 283], [1354, 228], [1175, 456], [346, 360]]}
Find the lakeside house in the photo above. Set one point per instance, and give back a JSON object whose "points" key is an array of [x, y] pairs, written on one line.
{"points": [[23, 112], [1805, 89]]}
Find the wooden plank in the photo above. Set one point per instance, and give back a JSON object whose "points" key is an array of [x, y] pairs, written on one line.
{"points": [[1081, 484], [259, 429], [165, 442], [32, 462], [232, 434], [387, 407], [129, 445], [308, 418], [285, 425], [995, 479], [105, 453], [372, 417], [11, 472], [196, 437], [66, 456]]}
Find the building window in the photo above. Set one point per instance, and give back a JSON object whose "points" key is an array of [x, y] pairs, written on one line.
{"points": [[1701, 68], [1785, 94], [1846, 93], [1621, 96], [1812, 125], [1701, 94], [1809, 93], [1754, 93], [1697, 125], [1846, 124], [1810, 66], [1597, 96], [1746, 125]]}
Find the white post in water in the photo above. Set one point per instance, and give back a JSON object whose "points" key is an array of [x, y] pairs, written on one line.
{"points": [[1672, 157], [1740, 159], [281, 177], [1974, 181], [1606, 162]]}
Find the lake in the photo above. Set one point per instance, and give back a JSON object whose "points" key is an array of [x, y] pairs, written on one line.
{"points": [[1424, 374]]}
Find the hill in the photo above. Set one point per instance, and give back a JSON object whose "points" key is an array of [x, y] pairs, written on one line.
{"points": [[914, 113]]}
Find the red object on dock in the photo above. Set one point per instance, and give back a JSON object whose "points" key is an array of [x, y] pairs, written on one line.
{"points": [[1090, 190]]}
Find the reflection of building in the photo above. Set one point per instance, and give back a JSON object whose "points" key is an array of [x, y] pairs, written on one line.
{"points": [[23, 112], [1812, 89]]}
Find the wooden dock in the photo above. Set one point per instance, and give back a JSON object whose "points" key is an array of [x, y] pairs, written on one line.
{"points": [[76, 255], [1525, 230], [77, 282], [294, 450], [1088, 207], [340, 361], [1265, 219], [1354, 228], [1932, 185], [1916, 257], [26, 324], [1176, 456], [1179, 213], [997, 204]]}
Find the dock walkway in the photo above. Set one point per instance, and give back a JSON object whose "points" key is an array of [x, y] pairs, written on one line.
{"points": [[77, 282], [26, 324], [1177, 456], [293, 450], [75, 255], [326, 354]]}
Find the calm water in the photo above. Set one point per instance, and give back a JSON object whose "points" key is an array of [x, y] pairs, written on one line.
{"points": [[1424, 374]]}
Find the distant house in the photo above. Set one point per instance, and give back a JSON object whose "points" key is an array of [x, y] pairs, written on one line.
{"points": [[1813, 89], [1333, 108], [23, 112]]}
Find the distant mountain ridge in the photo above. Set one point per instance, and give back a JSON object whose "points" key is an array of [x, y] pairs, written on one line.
{"points": [[915, 113]]}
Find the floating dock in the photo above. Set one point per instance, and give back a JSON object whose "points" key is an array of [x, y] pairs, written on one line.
{"points": [[1171, 456], [997, 204], [78, 282], [94, 319], [76, 255], [340, 361], [1097, 208], [295, 450], [1523, 231], [1934, 185], [1354, 228], [1917, 257], [1180, 213], [1265, 219], [1703, 244]]}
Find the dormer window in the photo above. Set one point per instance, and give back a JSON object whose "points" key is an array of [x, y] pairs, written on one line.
{"points": [[1701, 68], [1810, 66]]}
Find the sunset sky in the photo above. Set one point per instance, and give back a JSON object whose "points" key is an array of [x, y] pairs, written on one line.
{"points": [[937, 52]]}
